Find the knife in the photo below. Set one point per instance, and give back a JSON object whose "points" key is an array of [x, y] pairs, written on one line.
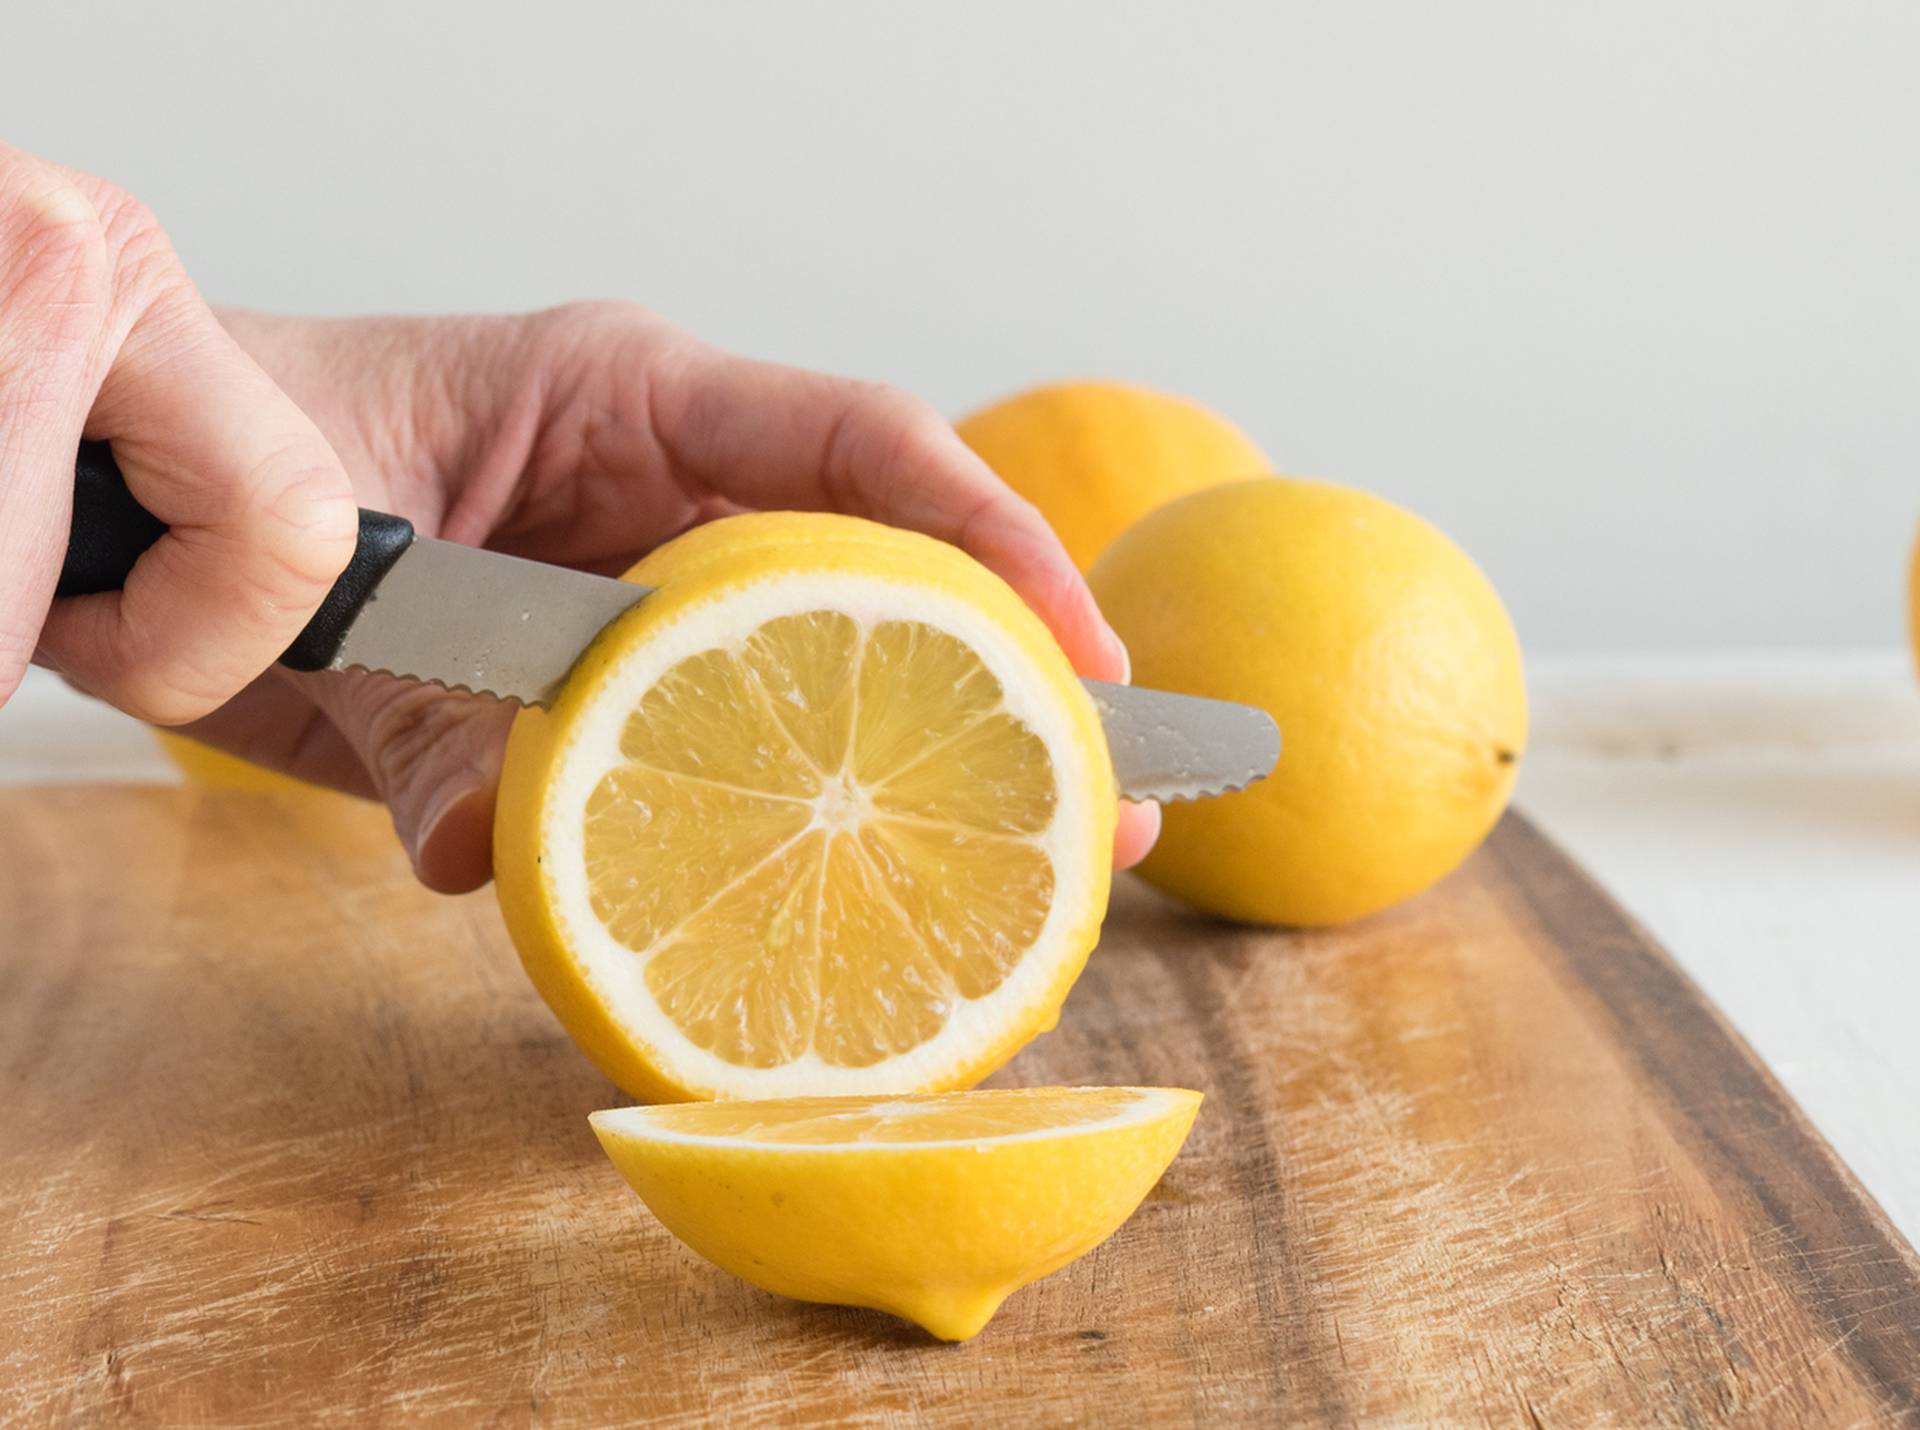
{"points": [[490, 624]]}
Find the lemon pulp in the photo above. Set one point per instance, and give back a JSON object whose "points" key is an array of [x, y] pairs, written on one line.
{"points": [[921, 1118], [820, 836]]}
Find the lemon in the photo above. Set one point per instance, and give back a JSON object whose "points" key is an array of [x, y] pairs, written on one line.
{"points": [[1386, 658], [827, 813], [934, 1208], [1913, 602], [1097, 456], [216, 769]]}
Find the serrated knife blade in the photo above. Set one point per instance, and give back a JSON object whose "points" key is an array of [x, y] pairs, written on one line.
{"points": [[1170, 747], [499, 625], [481, 621]]}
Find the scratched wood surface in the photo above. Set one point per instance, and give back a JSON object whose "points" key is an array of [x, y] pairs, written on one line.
{"points": [[285, 1140]]}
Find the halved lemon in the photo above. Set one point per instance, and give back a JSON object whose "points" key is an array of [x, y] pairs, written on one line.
{"points": [[827, 813], [934, 1208]]}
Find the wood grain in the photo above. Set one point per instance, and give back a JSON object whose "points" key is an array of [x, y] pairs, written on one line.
{"points": [[284, 1139]]}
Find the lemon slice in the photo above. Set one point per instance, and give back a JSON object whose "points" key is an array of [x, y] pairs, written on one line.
{"points": [[934, 1208], [827, 813]]}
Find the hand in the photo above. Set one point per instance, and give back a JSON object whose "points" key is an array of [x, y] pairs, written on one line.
{"points": [[101, 334], [586, 436]]}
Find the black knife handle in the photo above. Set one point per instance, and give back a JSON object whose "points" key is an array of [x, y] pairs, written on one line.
{"points": [[111, 530], [382, 540]]}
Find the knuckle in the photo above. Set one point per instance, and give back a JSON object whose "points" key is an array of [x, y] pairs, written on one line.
{"points": [[924, 436], [588, 327], [53, 248], [42, 204], [146, 271], [595, 314], [1020, 509], [914, 413], [126, 222], [120, 212], [909, 425], [908, 433]]}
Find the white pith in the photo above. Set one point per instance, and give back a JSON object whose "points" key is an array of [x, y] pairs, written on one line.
{"points": [[642, 1124], [616, 972]]}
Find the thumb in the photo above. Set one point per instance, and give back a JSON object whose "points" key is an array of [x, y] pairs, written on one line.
{"points": [[434, 758]]}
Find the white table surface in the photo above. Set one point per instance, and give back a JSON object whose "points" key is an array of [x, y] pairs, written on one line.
{"points": [[1761, 814]]}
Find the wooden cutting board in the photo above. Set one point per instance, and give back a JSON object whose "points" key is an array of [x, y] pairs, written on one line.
{"points": [[285, 1139]]}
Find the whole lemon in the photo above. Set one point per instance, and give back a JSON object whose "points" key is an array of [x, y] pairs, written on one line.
{"points": [[1097, 456], [1385, 656]]}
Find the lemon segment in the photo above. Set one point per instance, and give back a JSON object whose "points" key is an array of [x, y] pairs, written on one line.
{"points": [[934, 1208], [818, 816]]}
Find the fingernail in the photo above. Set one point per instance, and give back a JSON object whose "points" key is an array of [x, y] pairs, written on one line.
{"points": [[443, 805], [1126, 661], [1139, 831], [454, 854]]}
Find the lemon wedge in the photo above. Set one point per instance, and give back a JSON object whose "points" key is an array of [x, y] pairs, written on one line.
{"points": [[934, 1208]]}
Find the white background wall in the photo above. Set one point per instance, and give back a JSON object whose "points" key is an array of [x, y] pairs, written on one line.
{"points": [[1625, 296]]}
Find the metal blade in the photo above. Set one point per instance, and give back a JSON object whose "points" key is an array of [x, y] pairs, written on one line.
{"points": [[479, 621], [1168, 747], [497, 625]]}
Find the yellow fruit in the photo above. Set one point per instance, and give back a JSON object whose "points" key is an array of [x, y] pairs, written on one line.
{"points": [[932, 1208], [1095, 457], [216, 769], [826, 813], [1384, 655], [1913, 602]]}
